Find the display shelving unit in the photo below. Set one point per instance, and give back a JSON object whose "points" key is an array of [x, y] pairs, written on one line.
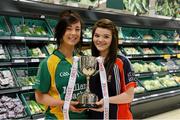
{"points": [[144, 104]]}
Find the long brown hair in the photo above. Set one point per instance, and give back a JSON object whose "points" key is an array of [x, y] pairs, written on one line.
{"points": [[67, 18], [111, 57]]}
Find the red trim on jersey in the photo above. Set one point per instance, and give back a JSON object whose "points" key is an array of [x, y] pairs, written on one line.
{"points": [[123, 111], [131, 84]]}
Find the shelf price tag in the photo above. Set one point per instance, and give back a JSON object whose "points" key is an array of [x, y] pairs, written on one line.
{"points": [[167, 56], [179, 43], [154, 95], [171, 71], [161, 41], [19, 61], [26, 88], [145, 41], [34, 60], [155, 73], [145, 56], [178, 55]]}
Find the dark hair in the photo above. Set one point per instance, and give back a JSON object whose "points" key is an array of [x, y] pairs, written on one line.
{"points": [[111, 57], [67, 18]]}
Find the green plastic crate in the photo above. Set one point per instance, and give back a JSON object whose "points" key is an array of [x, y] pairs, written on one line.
{"points": [[174, 49], [163, 50], [42, 49], [6, 53], [26, 98], [150, 83], [170, 64], [4, 28], [144, 33], [16, 98], [167, 35], [130, 33], [138, 52], [177, 61], [6, 86], [138, 66], [176, 77], [142, 49], [140, 88], [17, 50], [26, 76], [166, 80], [52, 24], [26, 27]]}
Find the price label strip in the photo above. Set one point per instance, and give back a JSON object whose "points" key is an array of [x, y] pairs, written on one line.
{"points": [[167, 56], [178, 55]]}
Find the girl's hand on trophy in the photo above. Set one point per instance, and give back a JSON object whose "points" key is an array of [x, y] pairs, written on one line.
{"points": [[74, 109], [101, 106]]}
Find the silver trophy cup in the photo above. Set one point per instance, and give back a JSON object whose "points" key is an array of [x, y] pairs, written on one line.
{"points": [[87, 67]]}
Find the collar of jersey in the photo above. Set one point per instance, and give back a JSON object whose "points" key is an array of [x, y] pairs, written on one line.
{"points": [[61, 55]]}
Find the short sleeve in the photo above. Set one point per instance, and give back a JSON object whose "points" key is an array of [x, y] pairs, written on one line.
{"points": [[43, 77], [129, 73]]}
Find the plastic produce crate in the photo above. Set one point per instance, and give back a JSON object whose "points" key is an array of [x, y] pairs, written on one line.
{"points": [[151, 83], [170, 64], [26, 76], [4, 54], [174, 49], [163, 50], [7, 79], [11, 107], [130, 34], [154, 66], [176, 77], [147, 50], [139, 89], [131, 51], [33, 108], [167, 81], [50, 48], [4, 28], [147, 34], [167, 35], [30, 27], [17, 50], [177, 61], [52, 24], [138, 66], [37, 52]]}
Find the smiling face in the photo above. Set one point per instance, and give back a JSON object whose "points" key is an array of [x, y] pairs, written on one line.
{"points": [[102, 39], [72, 34]]}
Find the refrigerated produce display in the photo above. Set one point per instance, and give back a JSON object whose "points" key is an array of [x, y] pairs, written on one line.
{"points": [[152, 44]]}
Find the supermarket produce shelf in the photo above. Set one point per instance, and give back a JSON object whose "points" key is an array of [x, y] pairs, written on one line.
{"points": [[155, 104], [39, 9], [127, 42], [5, 37], [155, 95], [9, 90]]}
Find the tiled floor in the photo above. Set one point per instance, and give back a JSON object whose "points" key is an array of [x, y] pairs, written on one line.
{"points": [[171, 115]]}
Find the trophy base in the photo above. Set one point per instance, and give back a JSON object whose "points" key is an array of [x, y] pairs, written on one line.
{"points": [[87, 106]]}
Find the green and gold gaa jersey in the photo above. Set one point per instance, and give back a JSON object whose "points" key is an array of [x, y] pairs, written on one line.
{"points": [[53, 76]]}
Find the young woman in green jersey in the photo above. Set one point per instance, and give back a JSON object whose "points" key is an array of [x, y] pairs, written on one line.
{"points": [[54, 71], [120, 77]]}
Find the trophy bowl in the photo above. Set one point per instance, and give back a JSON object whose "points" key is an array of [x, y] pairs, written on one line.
{"points": [[87, 67]]}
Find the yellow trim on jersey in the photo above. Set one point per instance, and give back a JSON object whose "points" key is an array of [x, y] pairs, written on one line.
{"points": [[52, 63]]}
